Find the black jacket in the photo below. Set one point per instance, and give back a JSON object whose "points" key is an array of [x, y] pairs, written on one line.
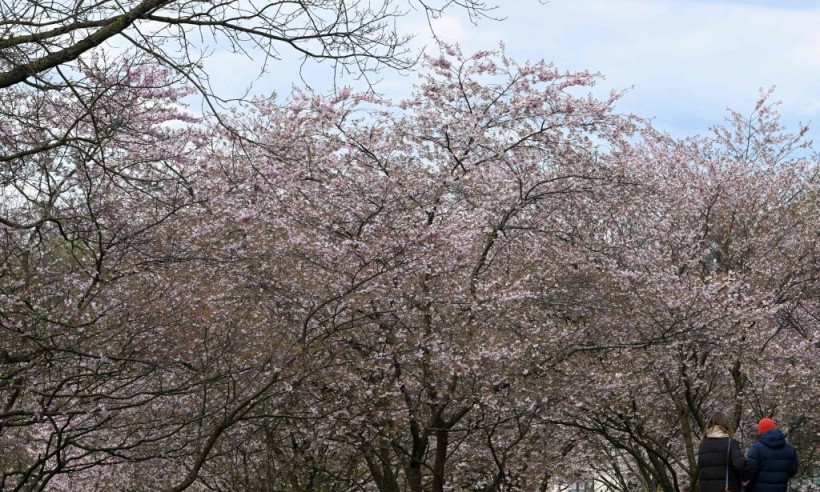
{"points": [[712, 465], [772, 462]]}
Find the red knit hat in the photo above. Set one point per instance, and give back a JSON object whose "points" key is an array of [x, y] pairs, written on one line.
{"points": [[765, 425]]}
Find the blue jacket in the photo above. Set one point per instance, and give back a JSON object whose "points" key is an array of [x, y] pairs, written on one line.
{"points": [[772, 462]]}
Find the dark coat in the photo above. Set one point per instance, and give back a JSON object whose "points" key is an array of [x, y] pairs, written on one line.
{"points": [[772, 462], [712, 465]]}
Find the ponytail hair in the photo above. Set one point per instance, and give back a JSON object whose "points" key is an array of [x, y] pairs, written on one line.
{"points": [[720, 421]]}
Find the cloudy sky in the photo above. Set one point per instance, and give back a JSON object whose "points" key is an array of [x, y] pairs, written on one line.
{"points": [[683, 61]]}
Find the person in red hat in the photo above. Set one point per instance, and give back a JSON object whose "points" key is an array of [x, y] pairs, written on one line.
{"points": [[771, 459]]}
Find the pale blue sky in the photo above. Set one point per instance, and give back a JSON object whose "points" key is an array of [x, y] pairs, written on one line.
{"points": [[685, 60]]}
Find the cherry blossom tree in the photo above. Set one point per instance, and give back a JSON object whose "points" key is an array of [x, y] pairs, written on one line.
{"points": [[716, 247], [496, 284], [424, 297], [91, 176]]}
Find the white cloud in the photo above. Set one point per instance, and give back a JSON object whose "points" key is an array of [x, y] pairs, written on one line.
{"points": [[687, 59]]}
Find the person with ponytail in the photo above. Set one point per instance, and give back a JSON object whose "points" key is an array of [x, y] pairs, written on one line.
{"points": [[721, 464]]}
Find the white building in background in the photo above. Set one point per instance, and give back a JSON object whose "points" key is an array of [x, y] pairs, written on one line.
{"points": [[590, 485], [586, 486]]}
